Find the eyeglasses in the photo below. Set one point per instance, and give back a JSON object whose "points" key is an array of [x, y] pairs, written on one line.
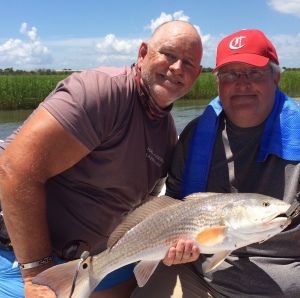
{"points": [[252, 75], [73, 249]]}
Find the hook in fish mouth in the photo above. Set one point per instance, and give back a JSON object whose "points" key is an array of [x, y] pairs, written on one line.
{"points": [[280, 215], [288, 222], [271, 217], [283, 215]]}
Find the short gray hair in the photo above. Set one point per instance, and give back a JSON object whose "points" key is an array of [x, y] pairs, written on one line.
{"points": [[275, 67]]}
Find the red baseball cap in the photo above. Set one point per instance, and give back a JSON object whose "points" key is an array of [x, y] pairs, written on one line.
{"points": [[246, 46]]}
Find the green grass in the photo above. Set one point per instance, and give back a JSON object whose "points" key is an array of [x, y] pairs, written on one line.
{"points": [[204, 88], [27, 91], [290, 83]]}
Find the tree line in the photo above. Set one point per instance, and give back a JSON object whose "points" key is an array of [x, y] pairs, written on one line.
{"points": [[40, 71], [44, 71]]}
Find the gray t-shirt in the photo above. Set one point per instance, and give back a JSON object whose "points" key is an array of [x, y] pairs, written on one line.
{"points": [[269, 269], [129, 158]]}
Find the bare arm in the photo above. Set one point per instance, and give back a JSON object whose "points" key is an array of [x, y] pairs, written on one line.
{"points": [[42, 149]]}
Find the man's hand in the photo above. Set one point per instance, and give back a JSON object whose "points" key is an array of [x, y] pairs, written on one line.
{"points": [[37, 291], [183, 252]]}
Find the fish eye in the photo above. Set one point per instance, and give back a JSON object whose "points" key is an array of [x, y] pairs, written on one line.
{"points": [[85, 265], [266, 204]]}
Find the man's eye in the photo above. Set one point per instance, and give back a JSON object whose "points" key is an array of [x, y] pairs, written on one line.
{"points": [[231, 74], [170, 56], [254, 72], [188, 63]]}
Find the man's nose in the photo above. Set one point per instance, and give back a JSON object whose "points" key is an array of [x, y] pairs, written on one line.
{"points": [[243, 80], [176, 66]]}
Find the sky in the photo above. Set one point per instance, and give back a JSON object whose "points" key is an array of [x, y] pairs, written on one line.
{"points": [[83, 34]]}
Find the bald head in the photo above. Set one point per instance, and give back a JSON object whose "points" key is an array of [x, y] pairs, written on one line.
{"points": [[174, 29]]}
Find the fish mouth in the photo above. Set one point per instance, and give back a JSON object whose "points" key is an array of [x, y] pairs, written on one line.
{"points": [[278, 217], [287, 222], [281, 221], [269, 218]]}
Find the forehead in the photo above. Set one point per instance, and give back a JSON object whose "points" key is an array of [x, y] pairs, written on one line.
{"points": [[181, 44], [239, 67], [176, 32], [176, 38]]}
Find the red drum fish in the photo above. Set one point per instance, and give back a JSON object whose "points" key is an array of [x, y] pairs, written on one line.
{"points": [[216, 223]]}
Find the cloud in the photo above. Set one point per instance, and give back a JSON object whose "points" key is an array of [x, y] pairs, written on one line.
{"points": [[16, 52], [30, 52], [287, 47], [113, 49], [31, 34], [78, 53], [178, 15], [111, 44], [284, 6]]}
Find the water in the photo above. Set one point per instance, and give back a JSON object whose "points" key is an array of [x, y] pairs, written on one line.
{"points": [[11, 120], [186, 110], [183, 112]]}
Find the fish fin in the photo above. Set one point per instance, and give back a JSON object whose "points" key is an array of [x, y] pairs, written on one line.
{"points": [[143, 270], [59, 278], [217, 259], [212, 236], [139, 214], [200, 195]]}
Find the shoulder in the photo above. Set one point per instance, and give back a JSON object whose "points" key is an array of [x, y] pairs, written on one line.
{"points": [[106, 76], [97, 85], [110, 72], [188, 131]]}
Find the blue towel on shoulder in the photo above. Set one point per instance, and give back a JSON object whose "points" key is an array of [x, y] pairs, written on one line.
{"points": [[281, 137]]}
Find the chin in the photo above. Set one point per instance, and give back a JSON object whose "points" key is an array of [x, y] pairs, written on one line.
{"points": [[164, 100], [164, 104]]}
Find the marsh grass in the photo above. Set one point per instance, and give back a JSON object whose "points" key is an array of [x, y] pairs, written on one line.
{"points": [[27, 91], [290, 83], [204, 88]]}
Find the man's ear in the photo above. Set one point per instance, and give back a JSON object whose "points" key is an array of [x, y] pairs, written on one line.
{"points": [[200, 69], [142, 52]]}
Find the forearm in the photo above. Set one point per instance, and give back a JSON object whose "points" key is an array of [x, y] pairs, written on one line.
{"points": [[24, 209], [41, 150]]}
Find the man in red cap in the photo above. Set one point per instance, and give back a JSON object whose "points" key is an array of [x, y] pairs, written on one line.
{"points": [[249, 140]]}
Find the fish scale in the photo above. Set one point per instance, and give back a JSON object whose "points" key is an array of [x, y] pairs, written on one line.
{"points": [[216, 223]]}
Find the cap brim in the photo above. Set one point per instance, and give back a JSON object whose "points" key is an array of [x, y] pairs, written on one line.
{"points": [[252, 59]]}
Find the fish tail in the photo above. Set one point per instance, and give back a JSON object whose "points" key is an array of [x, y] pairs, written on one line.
{"points": [[60, 279]]}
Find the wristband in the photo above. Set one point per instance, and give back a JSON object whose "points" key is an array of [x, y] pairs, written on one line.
{"points": [[36, 263]]}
